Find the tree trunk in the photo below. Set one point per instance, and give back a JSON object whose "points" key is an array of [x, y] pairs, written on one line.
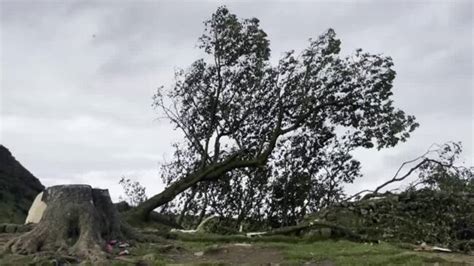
{"points": [[185, 207], [78, 220], [209, 173], [203, 211]]}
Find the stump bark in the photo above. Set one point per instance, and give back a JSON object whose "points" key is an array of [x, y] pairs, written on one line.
{"points": [[78, 220]]}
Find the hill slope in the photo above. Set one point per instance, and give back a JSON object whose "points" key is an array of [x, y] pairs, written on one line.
{"points": [[18, 188]]}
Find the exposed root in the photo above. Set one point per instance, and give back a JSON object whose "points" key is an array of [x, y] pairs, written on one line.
{"points": [[77, 222]]}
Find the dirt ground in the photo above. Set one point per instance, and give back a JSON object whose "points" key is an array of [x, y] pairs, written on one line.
{"points": [[229, 254]]}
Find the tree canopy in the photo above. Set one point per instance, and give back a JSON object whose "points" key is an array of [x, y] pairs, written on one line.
{"points": [[299, 117]]}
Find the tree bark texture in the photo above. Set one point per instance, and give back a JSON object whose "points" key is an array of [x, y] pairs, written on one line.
{"points": [[78, 220]]}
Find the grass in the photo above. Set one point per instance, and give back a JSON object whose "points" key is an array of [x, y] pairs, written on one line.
{"points": [[340, 252], [350, 253], [294, 252]]}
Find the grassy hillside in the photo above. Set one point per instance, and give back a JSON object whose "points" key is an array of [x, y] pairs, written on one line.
{"points": [[18, 188]]}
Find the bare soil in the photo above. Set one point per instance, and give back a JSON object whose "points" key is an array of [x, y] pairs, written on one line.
{"points": [[230, 254]]}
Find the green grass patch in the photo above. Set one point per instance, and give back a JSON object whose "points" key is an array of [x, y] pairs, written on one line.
{"points": [[350, 253], [340, 252]]}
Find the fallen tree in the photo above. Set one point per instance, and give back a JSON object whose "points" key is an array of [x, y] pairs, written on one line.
{"points": [[413, 216], [237, 111], [436, 208], [437, 160], [298, 230]]}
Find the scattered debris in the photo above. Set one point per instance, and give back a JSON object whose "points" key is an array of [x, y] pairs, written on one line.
{"points": [[252, 234], [109, 248], [425, 247], [191, 231], [117, 247], [124, 252], [124, 245], [435, 248], [247, 245]]}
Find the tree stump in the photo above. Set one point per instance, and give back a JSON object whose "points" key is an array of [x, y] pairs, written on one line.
{"points": [[78, 220]]}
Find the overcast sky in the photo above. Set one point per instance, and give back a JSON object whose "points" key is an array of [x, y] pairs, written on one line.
{"points": [[77, 78]]}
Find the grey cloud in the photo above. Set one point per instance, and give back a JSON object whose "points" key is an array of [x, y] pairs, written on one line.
{"points": [[148, 34], [78, 76]]}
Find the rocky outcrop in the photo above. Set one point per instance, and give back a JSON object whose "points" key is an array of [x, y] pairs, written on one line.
{"points": [[18, 188]]}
